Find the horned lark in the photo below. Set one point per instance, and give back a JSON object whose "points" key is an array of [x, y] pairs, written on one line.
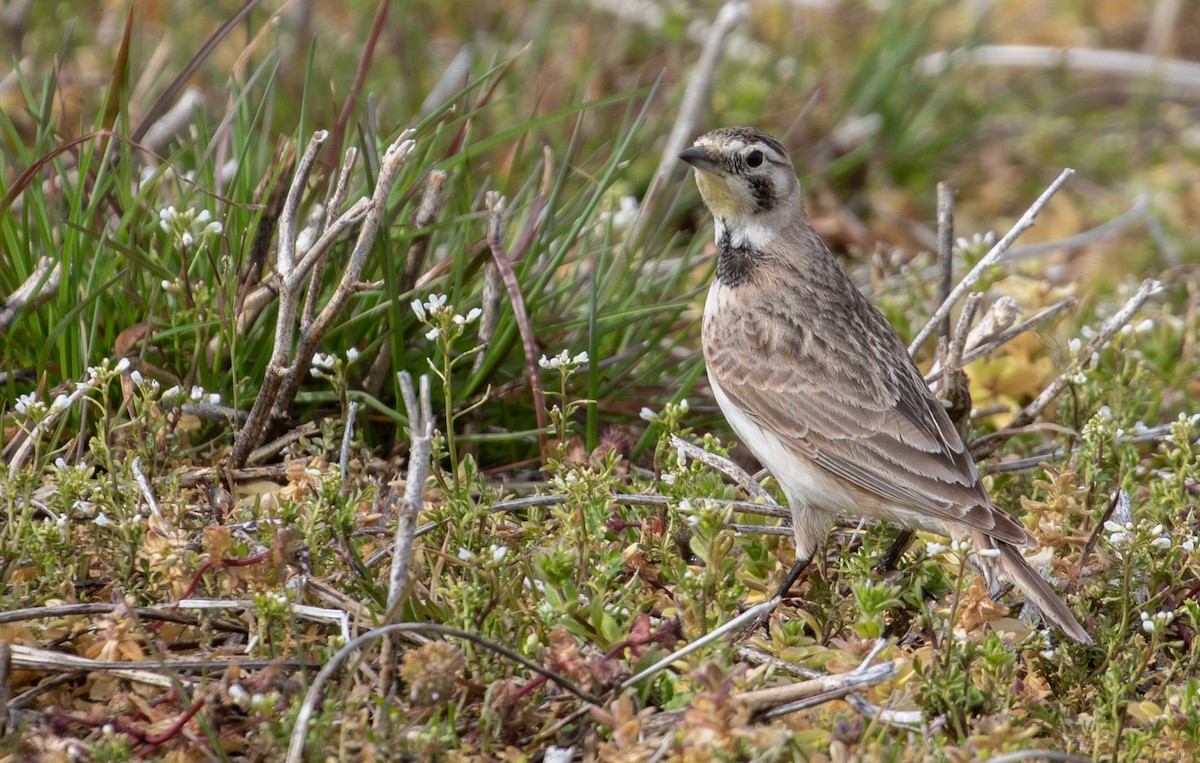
{"points": [[819, 386]]}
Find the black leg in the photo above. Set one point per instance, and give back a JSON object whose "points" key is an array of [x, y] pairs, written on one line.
{"points": [[793, 575], [892, 556]]}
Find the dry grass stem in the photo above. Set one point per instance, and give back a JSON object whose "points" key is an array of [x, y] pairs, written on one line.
{"points": [[991, 258]]}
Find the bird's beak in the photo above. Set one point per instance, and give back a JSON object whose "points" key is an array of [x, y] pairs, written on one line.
{"points": [[698, 158]]}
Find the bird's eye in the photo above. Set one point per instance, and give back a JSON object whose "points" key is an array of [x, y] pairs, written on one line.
{"points": [[754, 158]]}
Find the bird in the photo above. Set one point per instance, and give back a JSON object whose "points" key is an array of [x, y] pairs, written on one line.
{"points": [[816, 382]]}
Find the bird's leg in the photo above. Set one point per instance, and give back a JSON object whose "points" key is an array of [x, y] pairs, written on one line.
{"points": [[892, 556], [793, 575]]}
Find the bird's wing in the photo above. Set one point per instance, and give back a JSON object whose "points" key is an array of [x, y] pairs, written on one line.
{"points": [[857, 409]]}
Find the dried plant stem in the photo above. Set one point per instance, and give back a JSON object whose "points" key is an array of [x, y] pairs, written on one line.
{"points": [[286, 368], [39, 287], [420, 419], [736, 473], [1108, 329], [144, 486], [695, 102], [976, 352], [991, 258], [312, 697], [945, 237], [495, 229]]}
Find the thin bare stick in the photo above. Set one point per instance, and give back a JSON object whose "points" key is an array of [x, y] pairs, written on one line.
{"points": [[696, 97], [1004, 338], [945, 221], [749, 616], [420, 418], [420, 421], [694, 104], [312, 697], [1108, 329], [736, 473], [645, 499], [144, 486], [347, 439], [1138, 211], [1178, 78], [991, 258], [38, 288], [781, 700], [495, 206]]}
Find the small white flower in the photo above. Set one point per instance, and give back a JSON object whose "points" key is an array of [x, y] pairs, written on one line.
{"points": [[1144, 326], [498, 553], [122, 365], [102, 520], [961, 546], [238, 694], [186, 239], [1113, 527], [419, 310], [580, 359], [683, 405], [1161, 542], [465, 554], [323, 361], [172, 393], [433, 333], [1074, 345], [1087, 332], [213, 398], [136, 377], [204, 216], [933, 548], [60, 463], [646, 414], [25, 401], [213, 229], [1079, 378], [627, 214], [988, 553], [685, 506], [61, 403], [1189, 545], [352, 354], [197, 393], [668, 478]]}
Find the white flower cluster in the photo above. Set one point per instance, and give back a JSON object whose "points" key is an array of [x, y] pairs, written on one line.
{"points": [[188, 226], [196, 395], [1157, 622], [961, 547], [980, 242], [563, 360], [435, 312], [1122, 534]]}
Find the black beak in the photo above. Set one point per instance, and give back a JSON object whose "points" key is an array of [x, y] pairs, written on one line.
{"points": [[698, 158]]}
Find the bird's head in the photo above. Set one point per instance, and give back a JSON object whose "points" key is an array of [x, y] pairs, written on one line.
{"points": [[745, 177]]}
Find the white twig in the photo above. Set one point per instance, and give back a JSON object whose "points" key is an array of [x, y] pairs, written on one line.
{"points": [[420, 419], [1177, 77], [736, 473], [347, 438], [696, 97], [990, 259], [750, 615], [1108, 329], [144, 486]]}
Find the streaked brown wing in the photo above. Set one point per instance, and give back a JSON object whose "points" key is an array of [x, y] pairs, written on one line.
{"points": [[855, 406]]}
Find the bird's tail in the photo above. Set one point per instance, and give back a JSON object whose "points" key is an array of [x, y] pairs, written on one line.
{"points": [[1012, 565]]}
